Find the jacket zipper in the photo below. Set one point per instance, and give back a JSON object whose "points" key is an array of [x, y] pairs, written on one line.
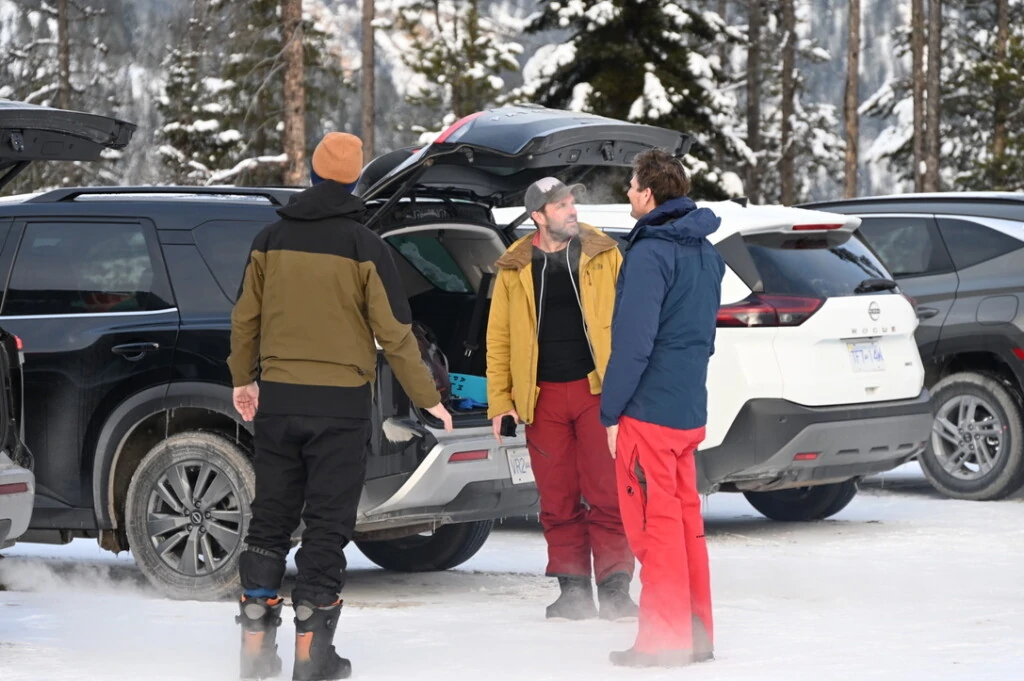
{"points": [[583, 313], [540, 313]]}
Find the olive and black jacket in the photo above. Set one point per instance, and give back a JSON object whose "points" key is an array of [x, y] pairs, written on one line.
{"points": [[318, 288]]}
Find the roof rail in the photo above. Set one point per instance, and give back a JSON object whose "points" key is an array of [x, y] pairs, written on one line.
{"points": [[276, 195]]}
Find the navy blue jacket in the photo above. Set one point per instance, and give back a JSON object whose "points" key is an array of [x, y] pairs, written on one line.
{"points": [[663, 332]]}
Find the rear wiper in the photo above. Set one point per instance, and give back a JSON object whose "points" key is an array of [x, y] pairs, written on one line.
{"points": [[871, 285]]}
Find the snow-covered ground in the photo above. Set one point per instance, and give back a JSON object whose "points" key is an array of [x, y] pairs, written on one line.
{"points": [[903, 584]]}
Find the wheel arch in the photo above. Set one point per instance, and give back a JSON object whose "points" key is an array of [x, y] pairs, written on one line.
{"points": [[143, 420]]}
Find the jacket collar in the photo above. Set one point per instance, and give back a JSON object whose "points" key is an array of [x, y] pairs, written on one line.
{"points": [[520, 254]]}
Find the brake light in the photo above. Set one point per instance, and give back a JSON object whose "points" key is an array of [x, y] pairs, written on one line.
{"points": [[1019, 353], [806, 456], [14, 488], [815, 228], [477, 455], [760, 309], [443, 137], [17, 341]]}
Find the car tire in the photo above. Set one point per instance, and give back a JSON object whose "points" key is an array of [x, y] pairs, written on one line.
{"points": [[990, 404], [804, 504], [163, 529], [447, 547]]}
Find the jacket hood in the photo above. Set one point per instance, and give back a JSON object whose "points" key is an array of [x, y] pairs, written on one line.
{"points": [[327, 199], [592, 243], [678, 220]]}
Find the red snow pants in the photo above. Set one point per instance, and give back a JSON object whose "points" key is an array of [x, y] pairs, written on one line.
{"points": [[570, 459], [660, 504]]}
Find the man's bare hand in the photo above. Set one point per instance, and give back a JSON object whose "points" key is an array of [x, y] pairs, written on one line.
{"points": [[496, 422], [613, 436], [247, 400], [439, 412]]}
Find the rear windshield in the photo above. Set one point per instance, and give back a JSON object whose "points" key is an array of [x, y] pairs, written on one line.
{"points": [[820, 265]]}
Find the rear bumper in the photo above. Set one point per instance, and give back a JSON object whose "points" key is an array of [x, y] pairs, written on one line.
{"points": [[16, 507], [440, 491], [759, 452]]}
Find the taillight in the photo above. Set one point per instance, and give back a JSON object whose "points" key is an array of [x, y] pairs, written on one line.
{"points": [[14, 488], [17, 341], [761, 309], [815, 228]]}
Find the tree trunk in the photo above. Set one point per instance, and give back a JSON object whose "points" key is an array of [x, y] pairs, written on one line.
{"points": [[917, 34], [1001, 104], [369, 92], [295, 173], [63, 57], [196, 26], [723, 49], [787, 179], [852, 100], [933, 137], [754, 97]]}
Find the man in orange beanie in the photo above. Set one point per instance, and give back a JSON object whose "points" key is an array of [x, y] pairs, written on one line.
{"points": [[314, 354]]}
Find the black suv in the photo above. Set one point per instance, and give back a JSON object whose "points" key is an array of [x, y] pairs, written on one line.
{"points": [[961, 257], [123, 299]]}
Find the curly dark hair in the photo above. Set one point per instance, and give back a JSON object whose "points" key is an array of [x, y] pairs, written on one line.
{"points": [[662, 173]]}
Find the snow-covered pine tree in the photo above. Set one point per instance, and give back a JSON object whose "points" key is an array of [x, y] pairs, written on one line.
{"points": [[224, 101], [974, 79], [1000, 163], [819, 147], [649, 61], [192, 141], [456, 53]]}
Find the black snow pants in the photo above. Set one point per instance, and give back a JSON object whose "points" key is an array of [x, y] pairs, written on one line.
{"points": [[319, 462]]}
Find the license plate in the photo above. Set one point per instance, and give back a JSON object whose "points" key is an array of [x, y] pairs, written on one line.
{"points": [[866, 356], [519, 466]]}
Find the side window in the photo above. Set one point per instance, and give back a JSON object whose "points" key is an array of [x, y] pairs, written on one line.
{"points": [[970, 243], [84, 268], [433, 261], [224, 245], [908, 246]]}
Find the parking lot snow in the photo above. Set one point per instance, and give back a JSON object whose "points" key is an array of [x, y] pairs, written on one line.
{"points": [[902, 584]]}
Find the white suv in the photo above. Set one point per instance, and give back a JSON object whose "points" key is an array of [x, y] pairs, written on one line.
{"points": [[816, 380]]}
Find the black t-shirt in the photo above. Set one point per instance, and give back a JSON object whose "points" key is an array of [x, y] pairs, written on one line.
{"points": [[564, 350]]}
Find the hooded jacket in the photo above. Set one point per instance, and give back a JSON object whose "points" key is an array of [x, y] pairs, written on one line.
{"points": [[318, 287], [512, 345], [663, 333]]}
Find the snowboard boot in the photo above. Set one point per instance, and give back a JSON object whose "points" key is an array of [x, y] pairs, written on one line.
{"points": [[315, 657], [576, 601], [614, 600], [260, 618], [664, 658]]}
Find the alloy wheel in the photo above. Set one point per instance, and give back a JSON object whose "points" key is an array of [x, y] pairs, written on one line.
{"points": [[193, 518]]}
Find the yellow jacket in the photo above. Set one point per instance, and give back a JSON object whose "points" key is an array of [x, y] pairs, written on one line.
{"points": [[512, 346]]}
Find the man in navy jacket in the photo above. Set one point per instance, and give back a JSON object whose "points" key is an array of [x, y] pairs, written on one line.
{"points": [[654, 405]]}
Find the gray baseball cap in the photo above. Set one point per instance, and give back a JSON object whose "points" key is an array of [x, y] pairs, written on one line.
{"points": [[548, 190]]}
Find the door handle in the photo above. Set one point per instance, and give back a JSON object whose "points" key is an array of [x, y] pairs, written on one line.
{"points": [[133, 352], [926, 312]]}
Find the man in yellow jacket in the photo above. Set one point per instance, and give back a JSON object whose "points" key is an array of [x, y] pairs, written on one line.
{"points": [[548, 343]]}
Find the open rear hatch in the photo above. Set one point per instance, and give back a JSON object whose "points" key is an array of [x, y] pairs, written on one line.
{"points": [[433, 206], [38, 133]]}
